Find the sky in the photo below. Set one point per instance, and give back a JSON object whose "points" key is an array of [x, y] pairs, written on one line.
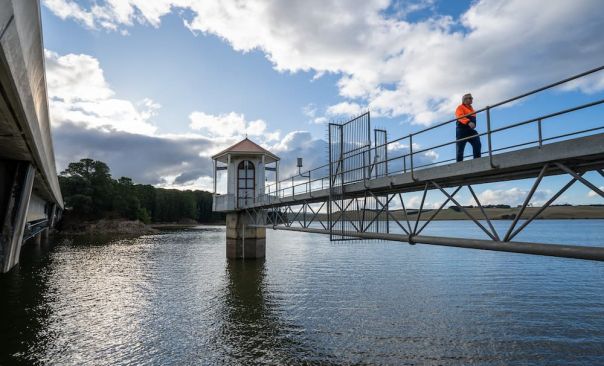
{"points": [[154, 88]]}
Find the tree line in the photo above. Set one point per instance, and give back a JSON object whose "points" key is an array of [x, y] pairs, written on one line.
{"points": [[91, 193]]}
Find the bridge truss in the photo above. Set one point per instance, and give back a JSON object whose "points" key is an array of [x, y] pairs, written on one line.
{"points": [[359, 193], [369, 217]]}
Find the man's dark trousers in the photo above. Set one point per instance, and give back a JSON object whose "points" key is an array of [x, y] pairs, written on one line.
{"points": [[464, 131]]}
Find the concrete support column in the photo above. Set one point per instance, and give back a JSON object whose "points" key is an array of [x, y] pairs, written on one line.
{"points": [[16, 190], [52, 215], [243, 241]]}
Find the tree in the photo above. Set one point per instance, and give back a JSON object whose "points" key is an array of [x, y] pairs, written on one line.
{"points": [[91, 193]]}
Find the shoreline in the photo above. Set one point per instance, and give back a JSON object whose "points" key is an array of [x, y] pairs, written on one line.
{"points": [[122, 227]]}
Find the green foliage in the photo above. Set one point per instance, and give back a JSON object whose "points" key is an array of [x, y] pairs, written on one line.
{"points": [[91, 193], [143, 215]]}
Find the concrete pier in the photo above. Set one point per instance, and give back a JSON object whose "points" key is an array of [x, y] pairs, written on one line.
{"points": [[243, 241], [13, 212]]}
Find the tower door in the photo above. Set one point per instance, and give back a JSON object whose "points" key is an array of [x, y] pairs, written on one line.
{"points": [[246, 183]]}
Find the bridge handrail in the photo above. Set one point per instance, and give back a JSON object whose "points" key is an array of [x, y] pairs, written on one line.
{"points": [[281, 192]]}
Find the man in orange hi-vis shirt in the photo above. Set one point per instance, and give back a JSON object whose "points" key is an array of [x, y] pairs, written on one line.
{"points": [[466, 127]]}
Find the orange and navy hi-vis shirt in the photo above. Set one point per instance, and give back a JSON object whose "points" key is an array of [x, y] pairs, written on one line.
{"points": [[463, 110]]}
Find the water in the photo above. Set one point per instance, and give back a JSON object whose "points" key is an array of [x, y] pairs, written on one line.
{"points": [[173, 299]]}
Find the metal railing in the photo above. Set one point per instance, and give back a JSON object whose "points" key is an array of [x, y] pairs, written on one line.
{"points": [[318, 178], [34, 228]]}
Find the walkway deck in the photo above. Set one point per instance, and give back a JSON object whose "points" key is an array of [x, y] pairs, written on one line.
{"points": [[580, 154]]}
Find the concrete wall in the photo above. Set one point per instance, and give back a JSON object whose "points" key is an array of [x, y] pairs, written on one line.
{"points": [[28, 177], [243, 241], [23, 92], [36, 209]]}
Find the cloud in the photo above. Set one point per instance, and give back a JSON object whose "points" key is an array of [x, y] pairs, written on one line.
{"points": [[387, 63], [79, 94], [345, 109], [146, 159], [310, 110], [230, 125], [89, 121], [592, 194], [513, 197], [397, 150], [69, 9], [300, 144]]}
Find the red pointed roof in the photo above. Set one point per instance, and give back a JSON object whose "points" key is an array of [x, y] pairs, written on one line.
{"points": [[245, 146]]}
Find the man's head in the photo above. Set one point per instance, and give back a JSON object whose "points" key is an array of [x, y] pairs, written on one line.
{"points": [[467, 99]]}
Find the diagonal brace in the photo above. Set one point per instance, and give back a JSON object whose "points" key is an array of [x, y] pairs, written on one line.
{"points": [[546, 205], [581, 179], [526, 202], [464, 211], [384, 207], [483, 212], [437, 211]]}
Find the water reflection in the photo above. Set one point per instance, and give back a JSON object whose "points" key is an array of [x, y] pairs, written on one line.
{"points": [[253, 331], [23, 310]]}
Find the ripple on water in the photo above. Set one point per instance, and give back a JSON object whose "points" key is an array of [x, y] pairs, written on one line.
{"points": [[174, 299]]}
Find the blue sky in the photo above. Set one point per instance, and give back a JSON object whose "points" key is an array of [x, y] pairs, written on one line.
{"points": [[154, 88]]}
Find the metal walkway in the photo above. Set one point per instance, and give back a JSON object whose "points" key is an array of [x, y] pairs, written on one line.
{"points": [[358, 194]]}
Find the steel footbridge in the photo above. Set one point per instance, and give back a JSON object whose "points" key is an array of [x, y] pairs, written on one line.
{"points": [[358, 194]]}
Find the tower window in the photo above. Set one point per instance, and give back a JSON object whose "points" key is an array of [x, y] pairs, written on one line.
{"points": [[246, 183]]}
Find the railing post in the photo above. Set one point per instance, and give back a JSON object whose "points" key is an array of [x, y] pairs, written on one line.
{"points": [[540, 133], [309, 190], [293, 188], [489, 138], [364, 167], [411, 155]]}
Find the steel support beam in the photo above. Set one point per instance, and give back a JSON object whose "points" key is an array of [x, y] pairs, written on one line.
{"points": [[545, 205], [526, 202], [552, 250], [580, 179]]}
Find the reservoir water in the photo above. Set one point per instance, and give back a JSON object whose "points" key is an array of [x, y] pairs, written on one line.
{"points": [[174, 299]]}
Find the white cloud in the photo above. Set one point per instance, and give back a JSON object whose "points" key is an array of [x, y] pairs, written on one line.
{"points": [[513, 197], [89, 121], [230, 125], [300, 144], [345, 109], [592, 194], [75, 78], [221, 125], [310, 110], [386, 62], [78, 93], [68, 9]]}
